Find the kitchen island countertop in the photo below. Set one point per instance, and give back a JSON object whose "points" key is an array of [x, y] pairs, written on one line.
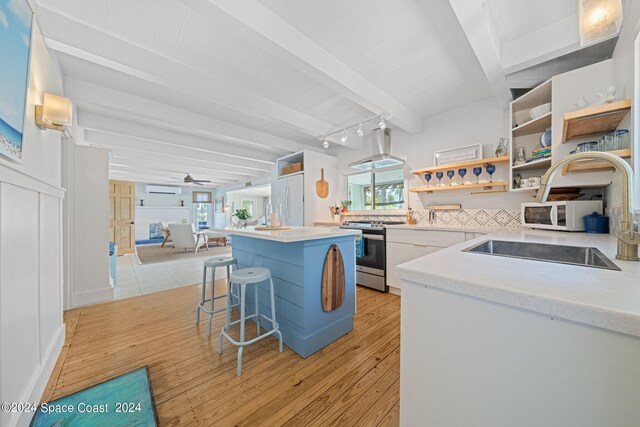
{"points": [[294, 234]]}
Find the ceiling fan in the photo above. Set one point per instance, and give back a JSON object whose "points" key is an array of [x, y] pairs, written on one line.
{"points": [[189, 180]]}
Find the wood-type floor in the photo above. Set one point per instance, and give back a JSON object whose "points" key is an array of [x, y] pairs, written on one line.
{"points": [[353, 381]]}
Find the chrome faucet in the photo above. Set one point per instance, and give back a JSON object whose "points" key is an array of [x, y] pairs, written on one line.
{"points": [[627, 232]]}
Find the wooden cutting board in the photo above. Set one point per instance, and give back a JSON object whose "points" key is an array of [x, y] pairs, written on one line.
{"points": [[333, 279], [322, 186]]}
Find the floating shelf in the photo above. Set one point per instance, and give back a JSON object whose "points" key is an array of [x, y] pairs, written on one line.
{"points": [[471, 163], [531, 127], [485, 185], [594, 120], [594, 166], [536, 164]]}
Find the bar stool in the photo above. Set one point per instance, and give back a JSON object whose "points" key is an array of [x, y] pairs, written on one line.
{"points": [[243, 278], [213, 263]]}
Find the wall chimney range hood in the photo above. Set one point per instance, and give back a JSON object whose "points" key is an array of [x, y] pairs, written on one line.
{"points": [[381, 157]]}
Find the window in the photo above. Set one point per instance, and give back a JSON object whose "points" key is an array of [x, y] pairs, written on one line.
{"points": [[376, 190], [202, 202], [250, 205]]}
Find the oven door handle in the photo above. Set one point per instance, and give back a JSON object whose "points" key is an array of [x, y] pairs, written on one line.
{"points": [[373, 236]]}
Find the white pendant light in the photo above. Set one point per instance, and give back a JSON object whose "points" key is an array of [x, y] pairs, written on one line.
{"points": [[382, 125], [360, 132], [344, 136], [599, 20], [325, 143]]}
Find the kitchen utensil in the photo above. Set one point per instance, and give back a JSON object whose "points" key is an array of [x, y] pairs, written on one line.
{"points": [[451, 174], [587, 146], [540, 111], [534, 181], [333, 283], [490, 170], [477, 171], [272, 228], [596, 223], [322, 186], [462, 172], [517, 180], [427, 177], [545, 138]]}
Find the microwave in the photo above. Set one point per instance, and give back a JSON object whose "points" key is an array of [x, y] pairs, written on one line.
{"points": [[564, 216]]}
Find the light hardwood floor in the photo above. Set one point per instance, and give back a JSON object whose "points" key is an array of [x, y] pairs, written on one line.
{"points": [[353, 381]]}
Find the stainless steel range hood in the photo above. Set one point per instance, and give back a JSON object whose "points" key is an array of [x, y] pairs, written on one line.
{"points": [[381, 157]]}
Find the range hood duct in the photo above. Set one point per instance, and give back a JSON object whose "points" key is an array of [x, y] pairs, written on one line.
{"points": [[381, 157]]}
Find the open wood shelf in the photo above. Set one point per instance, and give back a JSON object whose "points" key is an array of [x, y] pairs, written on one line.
{"points": [[594, 166], [531, 127], [536, 164], [471, 163], [594, 120], [485, 185]]}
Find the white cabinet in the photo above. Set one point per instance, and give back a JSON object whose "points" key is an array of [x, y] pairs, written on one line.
{"points": [[406, 244]]}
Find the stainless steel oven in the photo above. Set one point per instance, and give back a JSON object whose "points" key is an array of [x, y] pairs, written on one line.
{"points": [[371, 266]]}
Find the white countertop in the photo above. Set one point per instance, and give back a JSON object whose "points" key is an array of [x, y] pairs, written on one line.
{"points": [[603, 298], [295, 234]]}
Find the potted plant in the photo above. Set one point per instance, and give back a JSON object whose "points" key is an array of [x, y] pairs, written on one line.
{"points": [[344, 206], [242, 215]]}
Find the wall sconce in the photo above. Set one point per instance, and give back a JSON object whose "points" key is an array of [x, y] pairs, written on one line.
{"points": [[55, 113], [599, 20]]}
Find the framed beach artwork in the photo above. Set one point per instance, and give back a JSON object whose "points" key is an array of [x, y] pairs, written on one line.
{"points": [[15, 43], [219, 204]]}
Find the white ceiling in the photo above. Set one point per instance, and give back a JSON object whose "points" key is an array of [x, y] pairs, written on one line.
{"points": [[220, 88]]}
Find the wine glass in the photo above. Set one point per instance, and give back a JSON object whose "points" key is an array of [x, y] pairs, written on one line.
{"points": [[462, 172], [451, 174], [477, 171], [490, 170], [439, 175], [427, 177]]}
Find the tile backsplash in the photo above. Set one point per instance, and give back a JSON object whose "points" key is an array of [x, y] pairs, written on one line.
{"points": [[472, 219]]}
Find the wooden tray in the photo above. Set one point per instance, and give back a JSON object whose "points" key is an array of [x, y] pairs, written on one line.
{"points": [[270, 228]]}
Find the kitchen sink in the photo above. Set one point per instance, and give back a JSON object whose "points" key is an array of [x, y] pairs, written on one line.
{"points": [[573, 255]]}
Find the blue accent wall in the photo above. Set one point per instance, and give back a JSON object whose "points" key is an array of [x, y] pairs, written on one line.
{"points": [[296, 269]]}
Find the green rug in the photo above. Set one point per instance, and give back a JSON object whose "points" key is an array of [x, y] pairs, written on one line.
{"points": [[122, 401]]}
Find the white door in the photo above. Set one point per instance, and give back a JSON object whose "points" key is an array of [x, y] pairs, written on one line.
{"points": [[295, 200]]}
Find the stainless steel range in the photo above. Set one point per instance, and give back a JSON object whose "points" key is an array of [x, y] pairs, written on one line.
{"points": [[371, 267]]}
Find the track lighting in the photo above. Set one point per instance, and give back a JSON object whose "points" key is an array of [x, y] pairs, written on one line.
{"points": [[360, 131], [344, 136], [325, 143], [382, 125]]}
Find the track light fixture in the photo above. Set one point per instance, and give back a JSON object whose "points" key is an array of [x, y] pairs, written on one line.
{"points": [[344, 136], [382, 125]]}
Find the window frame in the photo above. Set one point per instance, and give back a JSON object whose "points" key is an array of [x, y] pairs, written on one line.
{"points": [[397, 211]]}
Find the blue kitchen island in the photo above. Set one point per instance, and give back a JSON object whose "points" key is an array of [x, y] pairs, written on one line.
{"points": [[296, 258]]}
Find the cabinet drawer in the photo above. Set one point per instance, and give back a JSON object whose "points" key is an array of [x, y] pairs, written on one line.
{"points": [[399, 253], [442, 239]]}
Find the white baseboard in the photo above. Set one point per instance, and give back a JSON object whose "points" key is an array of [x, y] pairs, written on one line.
{"points": [[395, 291], [42, 376], [92, 297]]}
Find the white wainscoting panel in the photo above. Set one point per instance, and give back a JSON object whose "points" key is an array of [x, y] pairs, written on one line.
{"points": [[31, 328]]}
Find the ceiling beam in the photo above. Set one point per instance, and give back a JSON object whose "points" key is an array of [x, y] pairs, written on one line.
{"points": [[184, 163], [82, 92], [161, 136], [122, 141], [76, 39], [178, 176], [472, 19], [172, 166], [286, 42], [153, 179]]}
